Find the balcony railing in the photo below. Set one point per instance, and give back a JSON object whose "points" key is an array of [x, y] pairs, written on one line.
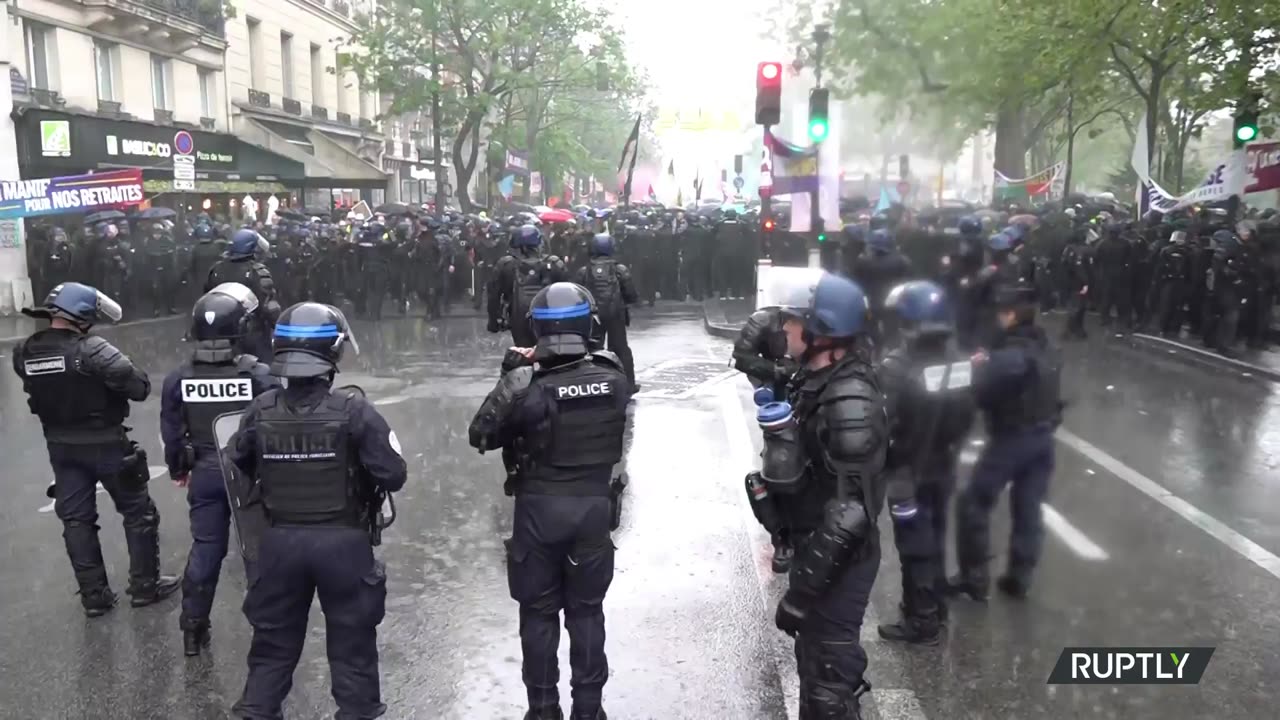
{"points": [[257, 98], [208, 123], [319, 112], [46, 97], [344, 118], [291, 106], [162, 116], [208, 14], [109, 106], [366, 124]]}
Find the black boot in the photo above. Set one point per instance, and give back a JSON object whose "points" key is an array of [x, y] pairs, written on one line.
{"points": [[151, 592], [195, 636], [552, 712], [783, 553], [1014, 585], [97, 602], [974, 583], [914, 629], [596, 713]]}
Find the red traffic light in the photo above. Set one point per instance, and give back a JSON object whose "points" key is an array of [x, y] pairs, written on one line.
{"points": [[770, 71], [768, 224], [768, 93]]}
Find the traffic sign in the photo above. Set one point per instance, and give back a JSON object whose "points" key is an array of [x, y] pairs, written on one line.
{"points": [[738, 182], [184, 172], [904, 188]]}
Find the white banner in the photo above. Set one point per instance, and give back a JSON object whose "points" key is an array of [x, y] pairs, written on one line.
{"points": [[1227, 178], [535, 183]]}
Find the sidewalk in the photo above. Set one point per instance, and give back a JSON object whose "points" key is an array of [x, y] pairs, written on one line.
{"points": [[725, 318], [1188, 349]]}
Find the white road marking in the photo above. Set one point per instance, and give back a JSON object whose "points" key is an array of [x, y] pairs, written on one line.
{"points": [[1074, 538], [1247, 548]]}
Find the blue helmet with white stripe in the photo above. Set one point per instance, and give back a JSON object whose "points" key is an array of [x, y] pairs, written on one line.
{"points": [[308, 341], [563, 317]]}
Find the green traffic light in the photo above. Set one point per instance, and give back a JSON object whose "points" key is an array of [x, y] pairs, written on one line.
{"points": [[822, 237], [1245, 133], [818, 129]]}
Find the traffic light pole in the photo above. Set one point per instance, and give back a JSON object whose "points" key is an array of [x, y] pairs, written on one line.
{"points": [[816, 225]]}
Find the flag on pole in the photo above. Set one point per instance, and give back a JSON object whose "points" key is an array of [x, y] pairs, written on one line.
{"points": [[1140, 161], [629, 153], [671, 168], [697, 187]]}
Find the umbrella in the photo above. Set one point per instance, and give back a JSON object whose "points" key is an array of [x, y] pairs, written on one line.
{"points": [[1029, 220], [555, 216], [103, 216], [157, 213], [290, 214], [395, 208]]}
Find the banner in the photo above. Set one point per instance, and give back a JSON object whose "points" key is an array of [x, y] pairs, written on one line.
{"points": [[1041, 185], [516, 162], [1227, 178], [1262, 167], [535, 183], [507, 186], [74, 193]]}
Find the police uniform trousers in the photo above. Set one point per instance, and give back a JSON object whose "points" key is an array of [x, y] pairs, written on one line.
{"points": [[560, 557], [77, 470], [614, 324], [210, 514], [921, 542], [295, 564], [830, 659], [1023, 459]]}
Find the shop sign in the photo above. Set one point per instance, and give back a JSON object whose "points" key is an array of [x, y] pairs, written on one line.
{"points": [[75, 142], [55, 138], [75, 193]]}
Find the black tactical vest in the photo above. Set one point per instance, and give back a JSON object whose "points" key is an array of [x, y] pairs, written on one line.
{"points": [[305, 462], [584, 439], [61, 396], [603, 282], [1039, 402], [246, 272], [209, 390], [943, 403], [532, 274]]}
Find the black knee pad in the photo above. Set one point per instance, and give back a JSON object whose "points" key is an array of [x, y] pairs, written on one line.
{"points": [[829, 701]]}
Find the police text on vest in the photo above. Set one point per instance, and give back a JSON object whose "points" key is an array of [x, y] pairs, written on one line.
{"points": [[46, 366], [596, 389], [217, 391]]}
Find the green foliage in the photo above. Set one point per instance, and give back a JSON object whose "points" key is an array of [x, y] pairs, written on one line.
{"points": [[529, 72]]}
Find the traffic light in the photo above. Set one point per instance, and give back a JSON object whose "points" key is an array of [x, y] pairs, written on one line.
{"points": [[819, 128], [822, 236], [768, 224], [1246, 128], [768, 93]]}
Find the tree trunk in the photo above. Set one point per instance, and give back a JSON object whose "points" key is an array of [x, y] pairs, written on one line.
{"points": [[1071, 144], [1011, 143], [1153, 108], [463, 170]]}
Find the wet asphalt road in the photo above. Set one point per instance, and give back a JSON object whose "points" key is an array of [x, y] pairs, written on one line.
{"points": [[690, 610]]}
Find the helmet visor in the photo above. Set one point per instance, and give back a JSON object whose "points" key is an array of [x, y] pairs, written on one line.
{"points": [[345, 332], [789, 289], [108, 309], [240, 293]]}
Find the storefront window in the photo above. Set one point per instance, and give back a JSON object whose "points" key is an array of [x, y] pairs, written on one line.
{"points": [[379, 197]]}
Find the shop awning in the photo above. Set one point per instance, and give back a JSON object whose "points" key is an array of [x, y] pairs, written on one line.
{"points": [[298, 136], [341, 151], [215, 187], [326, 162]]}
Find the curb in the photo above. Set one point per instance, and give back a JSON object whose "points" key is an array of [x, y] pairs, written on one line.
{"points": [[714, 322], [1199, 357]]}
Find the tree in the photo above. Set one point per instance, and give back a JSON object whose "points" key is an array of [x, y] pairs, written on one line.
{"points": [[495, 56]]}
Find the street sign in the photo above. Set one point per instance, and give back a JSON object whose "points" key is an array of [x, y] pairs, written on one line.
{"points": [[184, 173], [738, 182], [904, 188]]}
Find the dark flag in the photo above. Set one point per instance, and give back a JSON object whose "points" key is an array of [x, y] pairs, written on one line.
{"points": [[629, 152]]}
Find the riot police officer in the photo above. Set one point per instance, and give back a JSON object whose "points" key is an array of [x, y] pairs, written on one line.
{"points": [[880, 269], [1078, 259], [204, 255], [373, 260], [841, 424], [760, 353], [612, 289], [564, 408], [1172, 284], [926, 382], [241, 266], [218, 379], [1017, 386], [322, 458], [161, 269], [517, 278], [80, 387]]}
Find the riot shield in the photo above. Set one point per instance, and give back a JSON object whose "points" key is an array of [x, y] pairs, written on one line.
{"points": [[247, 512]]}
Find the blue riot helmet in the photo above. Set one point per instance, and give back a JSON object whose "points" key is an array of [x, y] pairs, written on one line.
{"points": [[970, 225], [308, 341], [921, 307], [1223, 240], [1017, 232], [204, 232], [223, 313], [245, 243], [880, 241], [602, 245], [563, 318], [1000, 242], [79, 303], [828, 305], [526, 236]]}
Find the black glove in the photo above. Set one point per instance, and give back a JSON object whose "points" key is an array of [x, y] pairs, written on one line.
{"points": [[789, 618], [509, 485], [514, 359]]}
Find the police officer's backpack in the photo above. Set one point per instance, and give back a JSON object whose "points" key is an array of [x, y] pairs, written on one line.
{"points": [[532, 274], [603, 283]]}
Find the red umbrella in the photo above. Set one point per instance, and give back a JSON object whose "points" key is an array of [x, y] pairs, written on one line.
{"points": [[555, 216]]}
